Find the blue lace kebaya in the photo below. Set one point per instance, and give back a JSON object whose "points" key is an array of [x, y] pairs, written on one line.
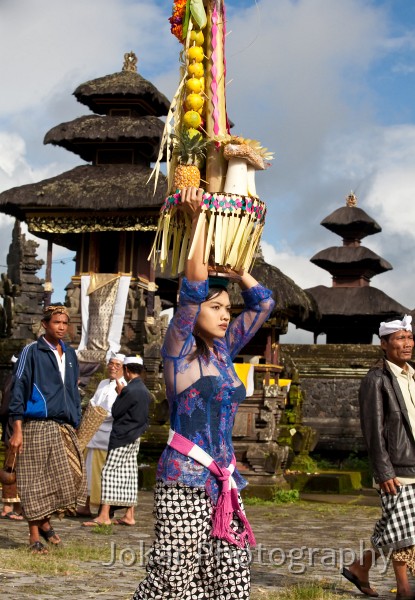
{"points": [[204, 396]]}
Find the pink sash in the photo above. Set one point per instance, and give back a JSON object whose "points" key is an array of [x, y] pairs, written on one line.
{"points": [[227, 505]]}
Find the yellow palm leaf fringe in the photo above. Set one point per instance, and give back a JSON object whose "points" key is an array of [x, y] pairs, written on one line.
{"points": [[234, 228]]}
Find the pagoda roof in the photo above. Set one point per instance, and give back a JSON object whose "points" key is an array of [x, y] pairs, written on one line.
{"points": [[350, 258], [125, 89], [87, 187], [297, 303], [351, 222], [85, 134], [355, 301]]}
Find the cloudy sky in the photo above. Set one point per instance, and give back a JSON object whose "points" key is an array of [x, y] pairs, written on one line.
{"points": [[328, 85]]}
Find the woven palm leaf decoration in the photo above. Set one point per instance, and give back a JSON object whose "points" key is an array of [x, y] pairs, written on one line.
{"points": [[203, 153]]}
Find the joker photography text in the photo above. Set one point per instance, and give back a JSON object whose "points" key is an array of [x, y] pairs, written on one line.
{"points": [[296, 560]]}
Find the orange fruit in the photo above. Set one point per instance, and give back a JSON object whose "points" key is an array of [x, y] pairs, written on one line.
{"points": [[195, 53], [197, 37], [194, 101], [196, 69], [194, 132], [194, 85], [192, 119]]}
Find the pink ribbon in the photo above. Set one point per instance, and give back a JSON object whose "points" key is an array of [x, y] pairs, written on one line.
{"points": [[227, 506]]}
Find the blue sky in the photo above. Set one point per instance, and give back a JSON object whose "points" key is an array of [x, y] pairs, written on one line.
{"points": [[392, 77], [328, 85]]}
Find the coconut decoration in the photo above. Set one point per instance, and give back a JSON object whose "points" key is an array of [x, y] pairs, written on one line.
{"points": [[201, 152]]}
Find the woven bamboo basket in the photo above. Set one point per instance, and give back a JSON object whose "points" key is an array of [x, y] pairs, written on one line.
{"points": [[92, 419]]}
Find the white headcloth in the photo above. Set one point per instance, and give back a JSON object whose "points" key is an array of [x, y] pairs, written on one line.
{"points": [[392, 326], [133, 360], [114, 356]]}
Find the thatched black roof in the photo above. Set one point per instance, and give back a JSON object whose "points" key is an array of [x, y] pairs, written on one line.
{"points": [[346, 258], [289, 298], [98, 187], [351, 222], [355, 301], [83, 135], [125, 89]]}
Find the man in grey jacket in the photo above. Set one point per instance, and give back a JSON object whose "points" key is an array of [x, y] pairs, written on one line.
{"points": [[387, 414]]}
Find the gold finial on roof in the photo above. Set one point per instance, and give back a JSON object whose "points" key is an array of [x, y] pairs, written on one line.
{"points": [[130, 62], [351, 200]]}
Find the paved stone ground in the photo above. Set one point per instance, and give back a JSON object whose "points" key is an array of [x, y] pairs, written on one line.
{"points": [[297, 543]]}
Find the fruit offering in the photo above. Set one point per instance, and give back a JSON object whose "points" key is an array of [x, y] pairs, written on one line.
{"points": [[195, 99], [201, 152]]}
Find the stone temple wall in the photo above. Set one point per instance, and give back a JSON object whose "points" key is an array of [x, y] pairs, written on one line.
{"points": [[331, 406], [329, 376]]}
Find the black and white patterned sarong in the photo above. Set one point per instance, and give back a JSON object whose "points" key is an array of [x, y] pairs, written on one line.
{"points": [[396, 528], [119, 479], [185, 563]]}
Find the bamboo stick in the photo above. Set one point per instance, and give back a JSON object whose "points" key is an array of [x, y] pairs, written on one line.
{"points": [[216, 165]]}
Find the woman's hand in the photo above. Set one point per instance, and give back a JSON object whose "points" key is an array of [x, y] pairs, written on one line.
{"points": [[191, 200]]}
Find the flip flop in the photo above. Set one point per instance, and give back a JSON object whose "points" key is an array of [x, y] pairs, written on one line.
{"points": [[12, 516], [361, 585], [94, 523], [122, 522]]}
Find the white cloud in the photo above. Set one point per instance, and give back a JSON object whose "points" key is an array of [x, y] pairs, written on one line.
{"points": [[15, 170], [382, 160], [50, 44], [299, 268]]}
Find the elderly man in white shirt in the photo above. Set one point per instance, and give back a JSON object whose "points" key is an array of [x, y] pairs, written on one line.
{"points": [[96, 450]]}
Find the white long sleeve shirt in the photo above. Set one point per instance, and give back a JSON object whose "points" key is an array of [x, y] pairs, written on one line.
{"points": [[105, 396]]}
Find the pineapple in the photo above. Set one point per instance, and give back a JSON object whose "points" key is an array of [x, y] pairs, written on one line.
{"points": [[190, 150]]}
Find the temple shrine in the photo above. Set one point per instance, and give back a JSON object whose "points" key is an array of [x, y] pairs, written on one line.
{"points": [[351, 309], [104, 212]]}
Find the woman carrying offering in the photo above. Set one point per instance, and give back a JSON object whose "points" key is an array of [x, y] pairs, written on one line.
{"points": [[202, 541]]}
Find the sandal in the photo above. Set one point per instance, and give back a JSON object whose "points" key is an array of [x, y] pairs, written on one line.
{"points": [[38, 548], [12, 516], [48, 535], [95, 523], [362, 586], [122, 522]]}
